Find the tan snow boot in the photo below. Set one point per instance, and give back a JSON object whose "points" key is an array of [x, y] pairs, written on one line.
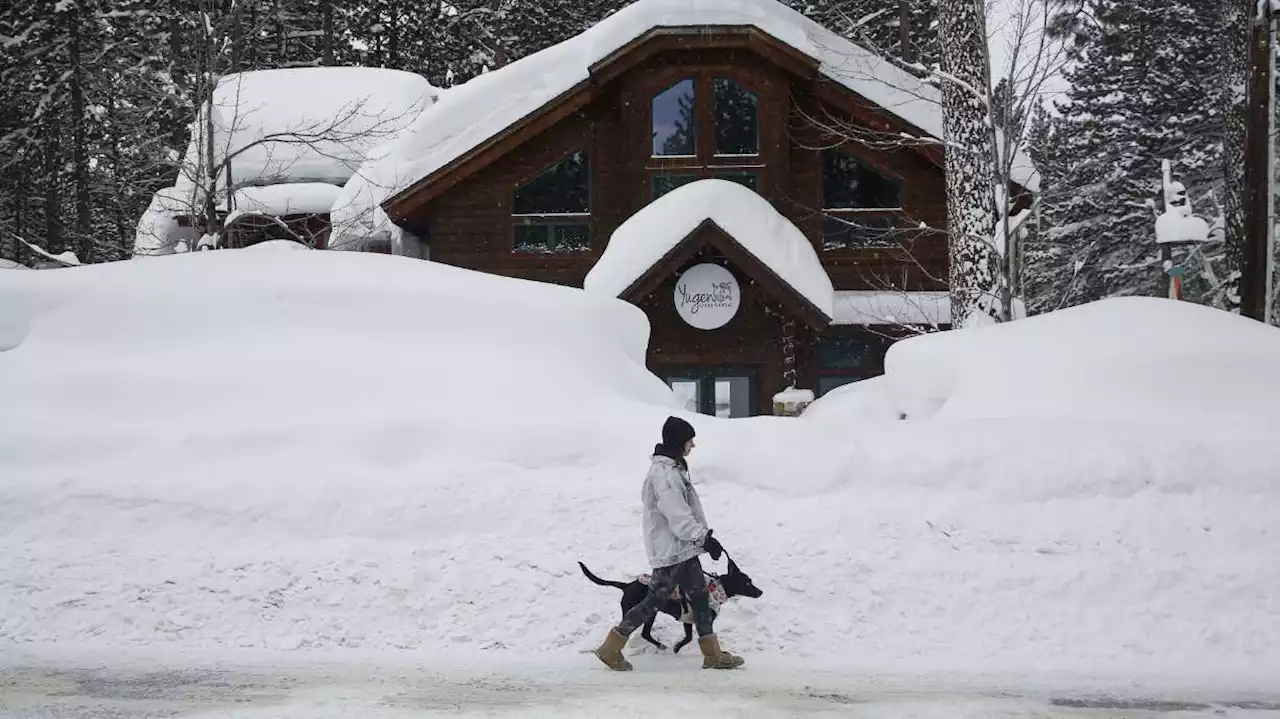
{"points": [[713, 657], [611, 652]]}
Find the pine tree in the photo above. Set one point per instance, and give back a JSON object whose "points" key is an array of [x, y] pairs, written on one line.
{"points": [[905, 29], [1146, 88]]}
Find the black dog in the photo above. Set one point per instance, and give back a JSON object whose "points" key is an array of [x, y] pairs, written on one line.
{"points": [[735, 584]]}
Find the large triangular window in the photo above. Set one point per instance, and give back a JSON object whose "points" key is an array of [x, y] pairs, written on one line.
{"points": [[858, 204], [552, 212]]}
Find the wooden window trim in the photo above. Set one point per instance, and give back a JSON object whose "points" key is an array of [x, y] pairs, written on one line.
{"points": [[555, 219], [706, 163]]}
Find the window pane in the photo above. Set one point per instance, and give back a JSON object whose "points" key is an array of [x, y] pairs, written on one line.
{"points": [[748, 180], [846, 353], [562, 188], [674, 126], [664, 182], [858, 231], [572, 237], [533, 238], [686, 392], [733, 397], [849, 185], [737, 119]]}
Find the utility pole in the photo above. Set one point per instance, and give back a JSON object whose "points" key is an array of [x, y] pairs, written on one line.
{"points": [[1258, 270]]}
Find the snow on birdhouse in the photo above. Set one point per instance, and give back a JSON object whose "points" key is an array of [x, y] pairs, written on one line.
{"points": [[1173, 227]]}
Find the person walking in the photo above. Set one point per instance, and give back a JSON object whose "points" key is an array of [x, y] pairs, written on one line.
{"points": [[675, 534]]}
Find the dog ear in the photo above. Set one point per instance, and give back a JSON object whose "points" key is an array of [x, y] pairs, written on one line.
{"points": [[733, 567]]}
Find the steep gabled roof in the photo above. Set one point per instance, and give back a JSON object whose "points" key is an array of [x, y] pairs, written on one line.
{"points": [[473, 116], [744, 227]]}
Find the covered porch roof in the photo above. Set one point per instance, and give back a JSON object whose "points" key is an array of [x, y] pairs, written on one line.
{"points": [[735, 220]]}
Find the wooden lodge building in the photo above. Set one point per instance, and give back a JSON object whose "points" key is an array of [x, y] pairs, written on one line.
{"points": [[536, 171]]}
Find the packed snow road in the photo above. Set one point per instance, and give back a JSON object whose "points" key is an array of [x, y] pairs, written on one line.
{"points": [[559, 687]]}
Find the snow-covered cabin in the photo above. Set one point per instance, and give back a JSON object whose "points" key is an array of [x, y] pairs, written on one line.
{"points": [[769, 193], [282, 143]]}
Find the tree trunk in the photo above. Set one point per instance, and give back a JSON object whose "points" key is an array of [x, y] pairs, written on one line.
{"points": [[326, 10], [1253, 279], [975, 277], [52, 171], [904, 31], [1236, 73], [500, 56], [282, 36], [393, 35], [80, 154]]}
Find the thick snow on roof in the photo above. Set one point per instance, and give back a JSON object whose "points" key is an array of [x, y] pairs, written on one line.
{"points": [[858, 307], [295, 198], [158, 232], [306, 124], [471, 113], [650, 234], [1173, 227]]}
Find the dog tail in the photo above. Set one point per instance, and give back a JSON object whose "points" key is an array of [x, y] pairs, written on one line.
{"points": [[598, 580]]}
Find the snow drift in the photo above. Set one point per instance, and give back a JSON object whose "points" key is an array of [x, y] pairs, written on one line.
{"points": [[1128, 358], [292, 450]]}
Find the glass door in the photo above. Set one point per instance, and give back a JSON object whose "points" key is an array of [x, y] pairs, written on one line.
{"points": [[714, 391]]}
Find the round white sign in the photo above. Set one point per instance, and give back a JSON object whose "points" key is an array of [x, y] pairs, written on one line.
{"points": [[707, 296]]}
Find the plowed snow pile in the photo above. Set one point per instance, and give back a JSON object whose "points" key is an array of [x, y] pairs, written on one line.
{"points": [[300, 449]]}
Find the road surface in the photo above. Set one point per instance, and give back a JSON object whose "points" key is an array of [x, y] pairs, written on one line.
{"points": [[67, 689]]}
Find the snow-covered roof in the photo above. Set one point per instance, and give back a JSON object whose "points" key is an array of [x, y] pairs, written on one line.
{"points": [[157, 232], [295, 198], [313, 124], [858, 307], [652, 233], [898, 307], [468, 115]]}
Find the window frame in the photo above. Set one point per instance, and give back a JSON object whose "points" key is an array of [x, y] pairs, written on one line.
{"points": [[551, 221], [850, 215], [697, 116], [706, 163]]}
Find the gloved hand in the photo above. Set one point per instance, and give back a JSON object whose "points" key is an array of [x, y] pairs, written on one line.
{"points": [[712, 545]]}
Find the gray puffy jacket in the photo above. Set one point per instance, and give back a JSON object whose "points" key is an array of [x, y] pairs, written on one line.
{"points": [[674, 525]]}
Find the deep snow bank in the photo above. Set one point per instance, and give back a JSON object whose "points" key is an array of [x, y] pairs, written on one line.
{"points": [[1136, 358], [1125, 359], [302, 449]]}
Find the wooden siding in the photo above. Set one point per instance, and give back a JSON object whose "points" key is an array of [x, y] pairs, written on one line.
{"points": [[751, 341], [469, 223]]}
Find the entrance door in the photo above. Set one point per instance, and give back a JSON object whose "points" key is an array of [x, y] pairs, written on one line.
{"points": [[714, 391]]}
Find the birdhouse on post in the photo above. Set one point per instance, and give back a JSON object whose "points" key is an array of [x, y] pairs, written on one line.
{"points": [[1176, 226]]}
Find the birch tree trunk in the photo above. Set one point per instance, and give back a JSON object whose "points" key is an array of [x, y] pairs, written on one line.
{"points": [[1236, 72], [975, 276]]}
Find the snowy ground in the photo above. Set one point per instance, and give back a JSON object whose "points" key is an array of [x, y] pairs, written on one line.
{"points": [[273, 686], [325, 454]]}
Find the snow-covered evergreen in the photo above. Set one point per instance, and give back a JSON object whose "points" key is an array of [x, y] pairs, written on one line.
{"points": [[1148, 87], [882, 24]]}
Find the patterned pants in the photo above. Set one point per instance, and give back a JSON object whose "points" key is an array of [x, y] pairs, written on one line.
{"points": [[686, 575]]}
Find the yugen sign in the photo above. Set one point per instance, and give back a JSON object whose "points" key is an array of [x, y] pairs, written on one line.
{"points": [[707, 296]]}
